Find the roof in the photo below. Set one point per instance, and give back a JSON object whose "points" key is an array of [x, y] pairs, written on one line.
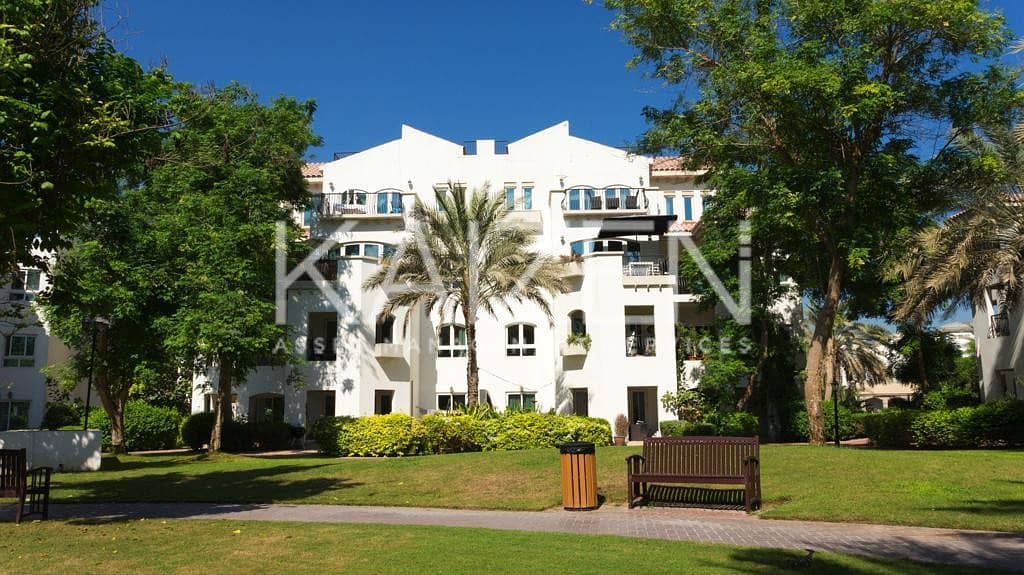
{"points": [[650, 225], [667, 164], [682, 226], [955, 327], [313, 170]]}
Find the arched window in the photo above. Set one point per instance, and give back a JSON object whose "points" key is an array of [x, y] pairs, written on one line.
{"points": [[520, 340], [451, 341], [266, 407], [577, 322], [385, 330]]}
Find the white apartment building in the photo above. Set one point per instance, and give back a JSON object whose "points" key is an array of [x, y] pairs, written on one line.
{"points": [[25, 349], [611, 215], [999, 337]]}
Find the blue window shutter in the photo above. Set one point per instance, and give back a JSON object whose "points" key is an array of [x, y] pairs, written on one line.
{"points": [[670, 206], [687, 208], [527, 198]]}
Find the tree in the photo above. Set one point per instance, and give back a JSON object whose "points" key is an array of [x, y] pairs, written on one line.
{"points": [[925, 358], [982, 245], [220, 185], [807, 115], [76, 119], [858, 351], [107, 272], [465, 257]]}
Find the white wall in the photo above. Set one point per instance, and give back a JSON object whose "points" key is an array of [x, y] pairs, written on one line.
{"points": [[61, 450]]}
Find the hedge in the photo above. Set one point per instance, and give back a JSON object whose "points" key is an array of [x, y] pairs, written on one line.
{"points": [[399, 435], [849, 423], [996, 424], [735, 424], [237, 436], [146, 427]]}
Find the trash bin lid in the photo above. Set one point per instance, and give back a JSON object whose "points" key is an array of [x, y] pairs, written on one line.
{"points": [[576, 447]]}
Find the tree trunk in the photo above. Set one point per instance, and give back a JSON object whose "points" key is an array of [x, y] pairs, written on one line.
{"points": [[921, 364], [472, 371], [113, 400], [818, 355], [758, 368], [223, 410]]}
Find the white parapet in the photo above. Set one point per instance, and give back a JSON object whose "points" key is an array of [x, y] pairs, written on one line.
{"points": [[61, 450]]}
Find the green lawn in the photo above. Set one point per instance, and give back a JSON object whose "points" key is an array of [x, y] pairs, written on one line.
{"points": [[962, 489], [155, 546]]}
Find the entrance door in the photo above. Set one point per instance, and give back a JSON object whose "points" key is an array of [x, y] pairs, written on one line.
{"points": [[643, 412], [382, 400]]}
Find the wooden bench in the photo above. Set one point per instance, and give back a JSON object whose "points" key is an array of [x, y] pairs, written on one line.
{"points": [[16, 480], [703, 460]]}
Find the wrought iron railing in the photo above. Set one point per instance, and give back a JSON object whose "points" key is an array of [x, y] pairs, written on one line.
{"points": [[359, 203], [999, 325]]}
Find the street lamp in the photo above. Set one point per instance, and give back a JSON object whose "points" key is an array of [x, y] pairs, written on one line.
{"points": [[92, 323], [835, 409]]}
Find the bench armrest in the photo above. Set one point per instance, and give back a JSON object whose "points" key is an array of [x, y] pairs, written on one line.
{"points": [[39, 477], [633, 463]]}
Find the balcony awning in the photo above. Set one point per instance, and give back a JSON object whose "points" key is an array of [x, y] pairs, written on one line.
{"points": [[625, 226]]}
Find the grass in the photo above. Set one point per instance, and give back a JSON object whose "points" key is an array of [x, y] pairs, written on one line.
{"points": [[166, 547], [958, 489]]}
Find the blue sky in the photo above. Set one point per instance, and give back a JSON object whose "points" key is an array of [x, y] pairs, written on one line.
{"points": [[461, 69]]}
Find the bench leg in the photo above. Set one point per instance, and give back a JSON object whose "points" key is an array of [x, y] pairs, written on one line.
{"points": [[20, 511]]}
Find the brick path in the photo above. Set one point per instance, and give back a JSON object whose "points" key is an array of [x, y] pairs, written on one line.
{"points": [[958, 547]]}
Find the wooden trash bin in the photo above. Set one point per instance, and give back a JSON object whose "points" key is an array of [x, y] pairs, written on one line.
{"points": [[579, 476]]}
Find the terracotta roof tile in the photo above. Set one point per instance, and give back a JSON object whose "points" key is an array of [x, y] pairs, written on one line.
{"points": [[667, 164], [682, 226], [313, 170]]}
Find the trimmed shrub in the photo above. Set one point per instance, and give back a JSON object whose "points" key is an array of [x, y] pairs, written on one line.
{"points": [[196, 430], [383, 436], [998, 423], [736, 424], [890, 427], [61, 414], [453, 433], [739, 424], [269, 436], [146, 427], [672, 428], [943, 429], [326, 431], [700, 428]]}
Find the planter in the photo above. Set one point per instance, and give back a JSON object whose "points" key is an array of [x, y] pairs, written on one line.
{"points": [[619, 440]]}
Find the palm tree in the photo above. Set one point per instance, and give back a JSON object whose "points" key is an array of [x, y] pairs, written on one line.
{"points": [[857, 350], [464, 257], [982, 245]]}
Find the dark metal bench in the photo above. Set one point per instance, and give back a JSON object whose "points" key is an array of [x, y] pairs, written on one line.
{"points": [[702, 460], [16, 480]]}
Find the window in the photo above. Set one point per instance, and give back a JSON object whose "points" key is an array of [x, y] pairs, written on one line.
{"points": [[385, 330], [574, 199], [21, 351], [520, 340], [450, 401], [640, 331], [451, 341], [591, 201], [528, 197], [577, 322], [510, 196], [522, 401], [307, 218], [611, 198], [266, 407], [389, 202], [14, 414], [24, 281], [371, 251], [321, 337], [352, 250], [382, 401], [688, 208], [580, 401], [670, 206]]}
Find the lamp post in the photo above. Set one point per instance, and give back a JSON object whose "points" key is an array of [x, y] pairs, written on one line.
{"points": [[10, 404], [835, 409], [92, 322]]}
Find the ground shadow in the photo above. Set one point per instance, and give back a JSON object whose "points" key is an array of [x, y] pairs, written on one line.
{"points": [[679, 496], [987, 507]]}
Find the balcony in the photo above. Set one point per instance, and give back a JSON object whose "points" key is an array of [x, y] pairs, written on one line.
{"points": [[359, 204], [999, 325], [617, 200], [647, 272], [388, 350], [529, 220], [573, 350]]}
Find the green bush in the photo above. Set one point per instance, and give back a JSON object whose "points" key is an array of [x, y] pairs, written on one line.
{"points": [[326, 431], [943, 429], [734, 424], [453, 433], [701, 428], [738, 424], [146, 427], [527, 430], [890, 427], [383, 436], [61, 414], [998, 423], [196, 429], [848, 428], [672, 428]]}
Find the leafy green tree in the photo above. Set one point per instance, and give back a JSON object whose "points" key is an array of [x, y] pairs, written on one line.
{"points": [[107, 273], [857, 350], [808, 115], [925, 358], [76, 118], [221, 183], [466, 257]]}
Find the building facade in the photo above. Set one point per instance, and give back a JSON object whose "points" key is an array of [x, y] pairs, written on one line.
{"points": [[999, 337], [613, 217]]}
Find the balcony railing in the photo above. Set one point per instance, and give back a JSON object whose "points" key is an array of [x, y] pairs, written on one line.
{"points": [[360, 203], [645, 267], [604, 200], [999, 325]]}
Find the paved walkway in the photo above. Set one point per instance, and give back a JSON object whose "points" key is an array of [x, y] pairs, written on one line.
{"points": [[976, 548]]}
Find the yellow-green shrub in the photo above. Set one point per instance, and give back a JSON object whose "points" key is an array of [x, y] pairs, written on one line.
{"points": [[383, 436]]}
